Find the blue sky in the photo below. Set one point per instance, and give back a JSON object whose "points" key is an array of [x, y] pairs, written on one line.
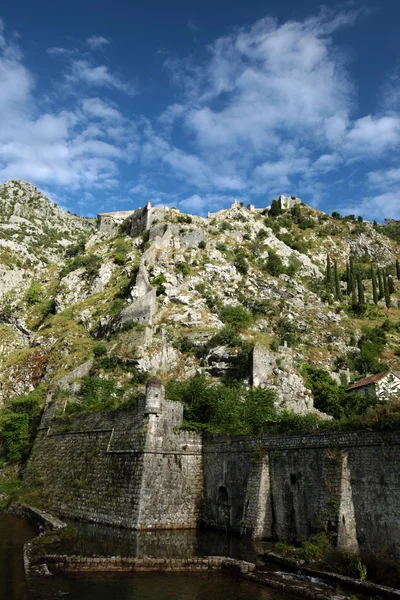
{"points": [[107, 105]]}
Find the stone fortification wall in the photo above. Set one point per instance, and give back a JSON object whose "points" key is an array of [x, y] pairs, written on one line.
{"points": [[138, 220], [289, 487], [124, 468], [112, 221], [131, 469]]}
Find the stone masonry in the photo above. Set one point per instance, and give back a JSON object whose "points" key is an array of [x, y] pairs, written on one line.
{"points": [[136, 469]]}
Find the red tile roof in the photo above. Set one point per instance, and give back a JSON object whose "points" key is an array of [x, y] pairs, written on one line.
{"points": [[368, 380]]}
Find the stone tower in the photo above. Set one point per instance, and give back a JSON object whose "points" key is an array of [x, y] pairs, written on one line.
{"points": [[154, 397]]}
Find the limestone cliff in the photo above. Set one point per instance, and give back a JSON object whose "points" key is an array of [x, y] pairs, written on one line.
{"points": [[150, 286]]}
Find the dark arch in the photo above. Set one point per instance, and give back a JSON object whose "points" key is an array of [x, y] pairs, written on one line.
{"points": [[223, 496]]}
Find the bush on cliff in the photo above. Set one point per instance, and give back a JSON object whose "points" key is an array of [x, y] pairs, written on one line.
{"points": [[18, 422], [221, 408], [236, 316]]}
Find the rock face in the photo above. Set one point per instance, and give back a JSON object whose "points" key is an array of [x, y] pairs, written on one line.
{"points": [[144, 304], [289, 386], [150, 287]]}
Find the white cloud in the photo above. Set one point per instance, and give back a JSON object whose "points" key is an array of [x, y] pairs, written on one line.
{"points": [[78, 147], [384, 178], [378, 207], [263, 87], [372, 136], [96, 108], [56, 52], [82, 72], [201, 205], [97, 42]]}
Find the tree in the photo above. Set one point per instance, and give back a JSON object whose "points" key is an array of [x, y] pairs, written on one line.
{"points": [[296, 214], [352, 279], [360, 291], [398, 269], [380, 284], [390, 284], [328, 275], [386, 291], [374, 286], [274, 265], [338, 292], [275, 209]]}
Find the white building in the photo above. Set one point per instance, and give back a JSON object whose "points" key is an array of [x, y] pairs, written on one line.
{"points": [[382, 386]]}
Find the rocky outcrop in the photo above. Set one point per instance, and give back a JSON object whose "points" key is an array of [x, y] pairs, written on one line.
{"points": [[144, 302]]}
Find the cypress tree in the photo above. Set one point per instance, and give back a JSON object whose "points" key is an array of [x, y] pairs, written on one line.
{"points": [[380, 284], [374, 285], [390, 285], [275, 209], [352, 274], [338, 293], [354, 303], [348, 287], [328, 275], [386, 289], [398, 269], [360, 290]]}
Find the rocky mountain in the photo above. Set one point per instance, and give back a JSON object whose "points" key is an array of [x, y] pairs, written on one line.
{"points": [[244, 296]]}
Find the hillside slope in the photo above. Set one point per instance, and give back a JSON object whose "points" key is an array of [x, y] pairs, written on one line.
{"points": [[241, 297]]}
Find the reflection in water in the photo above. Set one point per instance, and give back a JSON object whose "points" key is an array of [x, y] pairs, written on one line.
{"points": [[96, 539], [163, 586], [13, 534], [102, 540]]}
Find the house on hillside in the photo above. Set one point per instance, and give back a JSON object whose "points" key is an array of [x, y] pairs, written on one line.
{"points": [[382, 386]]}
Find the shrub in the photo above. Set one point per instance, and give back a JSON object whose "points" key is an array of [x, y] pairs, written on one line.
{"points": [[95, 394], [184, 219], [218, 407], [122, 247], [183, 268], [74, 249], [316, 547], [226, 336], [240, 261], [202, 245], [33, 293], [90, 262], [274, 265], [100, 350], [18, 423], [236, 316], [287, 331], [158, 283]]}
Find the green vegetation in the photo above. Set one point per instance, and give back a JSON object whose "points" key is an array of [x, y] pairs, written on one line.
{"points": [[122, 247], [236, 316], [96, 394], [183, 268], [18, 422], [33, 293], [221, 408], [90, 262], [333, 399]]}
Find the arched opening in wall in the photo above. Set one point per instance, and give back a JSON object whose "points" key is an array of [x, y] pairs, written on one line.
{"points": [[222, 497], [223, 508]]}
